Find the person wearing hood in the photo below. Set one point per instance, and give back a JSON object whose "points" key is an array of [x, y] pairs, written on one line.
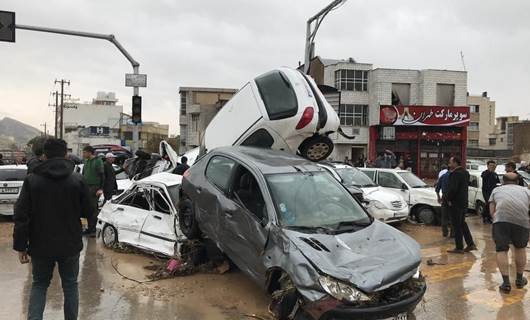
{"points": [[47, 227]]}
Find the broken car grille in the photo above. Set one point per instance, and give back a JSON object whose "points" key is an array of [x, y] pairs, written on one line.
{"points": [[396, 293], [396, 204]]}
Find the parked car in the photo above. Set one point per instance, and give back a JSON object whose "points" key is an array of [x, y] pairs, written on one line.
{"points": [[420, 197], [11, 180], [476, 198], [282, 109], [144, 216], [299, 233], [384, 205]]}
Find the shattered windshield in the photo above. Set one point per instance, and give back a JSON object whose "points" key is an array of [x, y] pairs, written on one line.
{"points": [[353, 177], [313, 200], [412, 180]]}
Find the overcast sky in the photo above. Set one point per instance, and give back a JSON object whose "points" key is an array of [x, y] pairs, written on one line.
{"points": [[225, 43]]}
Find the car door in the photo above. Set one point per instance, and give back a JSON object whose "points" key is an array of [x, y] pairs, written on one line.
{"points": [[243, 220], [391, 180], [130, 213], [158, 231], [472, 191]]}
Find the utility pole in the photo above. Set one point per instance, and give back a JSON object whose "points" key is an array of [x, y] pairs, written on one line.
{"points": [[61, 109], [56, 105], [45, 130], [312, 32]]}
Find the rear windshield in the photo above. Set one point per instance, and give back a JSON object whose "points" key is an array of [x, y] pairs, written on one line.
{"points": [[278, 95], [12, 174]]}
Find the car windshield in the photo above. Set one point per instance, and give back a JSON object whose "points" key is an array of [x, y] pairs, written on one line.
{"points": [[12, 174], [313, 200], [412, 180], [354, 177], [278, 95]]}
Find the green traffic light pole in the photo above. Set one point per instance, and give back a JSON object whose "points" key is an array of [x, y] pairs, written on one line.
{"points": [[108, 37]]}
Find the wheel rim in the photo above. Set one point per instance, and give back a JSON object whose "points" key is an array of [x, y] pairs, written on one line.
{"points": [[426, 216], [109, 236], [318, 150]]}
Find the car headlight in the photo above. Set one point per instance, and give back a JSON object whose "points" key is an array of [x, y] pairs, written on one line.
{"points": [[342, 291], [377, 204]]}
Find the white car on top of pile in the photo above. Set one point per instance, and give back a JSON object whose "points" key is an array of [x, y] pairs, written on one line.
{"points": [[144, 216]]}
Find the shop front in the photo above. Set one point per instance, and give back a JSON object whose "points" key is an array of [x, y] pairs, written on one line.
{"points": [[424, 136]]}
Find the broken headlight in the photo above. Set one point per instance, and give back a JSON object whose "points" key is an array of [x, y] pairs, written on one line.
{"points": [[342, 291]]}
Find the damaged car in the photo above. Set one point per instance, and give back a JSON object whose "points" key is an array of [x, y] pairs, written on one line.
{"points": [[144, 216], [282, 109], [299, 233]]}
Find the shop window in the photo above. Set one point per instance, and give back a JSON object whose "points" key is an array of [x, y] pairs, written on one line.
{"points": [[445, 94], [353, 114], [351, 80], [473, 126], [400, 94]]}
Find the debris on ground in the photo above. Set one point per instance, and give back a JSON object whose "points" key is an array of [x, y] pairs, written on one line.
{"points": [[431, 262]]}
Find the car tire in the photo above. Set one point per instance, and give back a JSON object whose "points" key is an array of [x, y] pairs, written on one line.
{"points": [[109, 236], [426, 215], [316, 148], [480, 207], [187, 220]]}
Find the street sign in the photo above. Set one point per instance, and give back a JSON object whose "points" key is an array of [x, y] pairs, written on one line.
{"points": [[135, 80], [7, 26]]}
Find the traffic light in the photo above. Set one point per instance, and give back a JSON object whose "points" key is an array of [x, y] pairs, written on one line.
{"points": [[137, 109]]}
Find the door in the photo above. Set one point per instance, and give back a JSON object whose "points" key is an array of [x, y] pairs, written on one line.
{"points": [[391, 180], [130, 215], [158, 231], [244, 223]]}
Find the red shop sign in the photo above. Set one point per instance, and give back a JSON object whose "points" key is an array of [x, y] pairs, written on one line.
{"points": [[424, 116]]}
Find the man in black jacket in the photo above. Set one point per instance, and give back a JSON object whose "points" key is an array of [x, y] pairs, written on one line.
{"points": [[110, 186], [490, 179], [457, 199], [48, 227]]}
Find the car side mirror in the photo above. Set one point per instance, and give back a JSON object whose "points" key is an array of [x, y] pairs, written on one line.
{"points": [[404, 187]]}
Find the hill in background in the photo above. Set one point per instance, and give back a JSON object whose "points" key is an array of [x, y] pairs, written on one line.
{"points": [[14, 132]]}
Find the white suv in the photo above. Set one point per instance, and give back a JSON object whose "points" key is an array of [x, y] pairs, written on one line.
{"points": [[421, 198], [384, 205], [11, 180], [282, 109]]}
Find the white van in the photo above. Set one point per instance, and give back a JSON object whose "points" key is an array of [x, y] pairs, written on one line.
{"points": [[282, 109], [421, 198]]}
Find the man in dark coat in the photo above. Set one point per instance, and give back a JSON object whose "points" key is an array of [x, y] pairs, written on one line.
{"points": [[48, 227], [490, 179], [110, 186], [182, 166], [457, 199]]}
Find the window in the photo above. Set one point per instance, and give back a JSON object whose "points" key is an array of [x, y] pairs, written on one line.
{"points": [[445, 94], [351, 80], [278, 95], [473, 182], [400, 94], [12, 174], [195, 122], [161, 204], [369, 173], [412, 180], [248, 193], [138, 198], [353, 114], [472, 143], [473, 126], [183, 102], [389, 180], [493, 141], [261, 138], [218, 172], [474, 108]]}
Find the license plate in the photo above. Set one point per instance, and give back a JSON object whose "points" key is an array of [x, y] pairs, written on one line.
{"points": [[9, 190], [401, 316]]}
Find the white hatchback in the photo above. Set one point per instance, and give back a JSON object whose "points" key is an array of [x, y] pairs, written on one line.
{"points": [[282, 109], [11, 180]]}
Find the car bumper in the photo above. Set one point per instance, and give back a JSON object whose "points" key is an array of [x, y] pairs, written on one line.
{"points": [[341, 311], [389, 215], [7, 207]]}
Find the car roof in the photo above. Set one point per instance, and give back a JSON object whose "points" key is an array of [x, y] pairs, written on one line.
{"points": [[269, 161], [385, 169], [14, 166], [165, 178]]}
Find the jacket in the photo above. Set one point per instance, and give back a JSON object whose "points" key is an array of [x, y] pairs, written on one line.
{"points": [[110, 186], [48, 211], [489, 182], [443, 185], [32, 164], [458, 188]]}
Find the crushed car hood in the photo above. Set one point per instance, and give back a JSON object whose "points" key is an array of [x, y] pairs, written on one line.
{"points": [[372, 259]]}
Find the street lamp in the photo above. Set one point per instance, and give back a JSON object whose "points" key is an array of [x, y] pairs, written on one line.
{"points": [[312, 31]]}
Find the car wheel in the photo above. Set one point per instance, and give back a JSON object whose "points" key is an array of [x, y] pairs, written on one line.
{"points": [[109, 236], [426, 215], [187, 221], [316, 148], [480, 207]]}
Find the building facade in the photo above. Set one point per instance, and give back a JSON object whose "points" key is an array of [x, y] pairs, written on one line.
{"points": [[482, 121], [521, 140], [149, 134], [198, 106], [502, 136]]}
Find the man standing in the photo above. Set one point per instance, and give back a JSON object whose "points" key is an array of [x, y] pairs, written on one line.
{"points": [[443, 184], [94, 175], [111, 186], [510, 167], [509, 205], [490, 179], [48, 227], [457, 200], [182, 166]]}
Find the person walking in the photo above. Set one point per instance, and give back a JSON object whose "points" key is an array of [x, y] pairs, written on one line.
{"points": [[457, 200], [94, 175], [510, 167], [509, 206], [442, 185], [47, 227], [182, 166], [110, 186], [490, 179]]}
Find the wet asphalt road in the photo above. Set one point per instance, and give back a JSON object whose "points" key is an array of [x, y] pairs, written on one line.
{"points": [[463, 287]]}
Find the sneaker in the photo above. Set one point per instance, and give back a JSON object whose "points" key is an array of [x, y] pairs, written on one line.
{"points": [[459, 251], [470, 248], [521, 283], [505, 288]]}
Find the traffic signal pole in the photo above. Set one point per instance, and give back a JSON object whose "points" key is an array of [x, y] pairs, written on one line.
{"points": [[108, 37]]}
